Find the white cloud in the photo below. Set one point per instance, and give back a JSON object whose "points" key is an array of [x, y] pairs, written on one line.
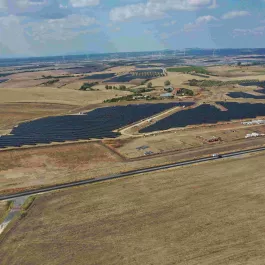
{"points": [[258, 31], [199, 22], [214, 5], [61, 29], [12, 34], [166, 35], [156, 8], [84, 3], [205, 19], [33, 8], [170, 23], [63, 6], [72, 21], [117, 29], [234, 14], [4, 4]]}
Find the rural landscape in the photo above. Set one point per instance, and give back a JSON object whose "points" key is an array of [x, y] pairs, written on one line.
{"points": [[70, 126]]}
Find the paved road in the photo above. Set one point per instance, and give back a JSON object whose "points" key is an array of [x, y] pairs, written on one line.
{"points": [[18, 202], [128, 173]]}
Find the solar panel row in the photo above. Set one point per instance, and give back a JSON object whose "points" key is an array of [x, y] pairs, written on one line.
{"points": [[99, 123]]}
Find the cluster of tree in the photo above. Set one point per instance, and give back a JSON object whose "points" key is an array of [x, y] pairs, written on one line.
{"points": [[167, 83], [200, 75], [58, 76], [51, 82], [141, 90], [88, 86], [149, 74], [123, 98], [189, 69], [211, 83], [121, 87], [129, 98], [149, 85], [185, 92]]}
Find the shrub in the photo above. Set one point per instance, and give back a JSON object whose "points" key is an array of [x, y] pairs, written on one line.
{"points": [[149, 85], [167, 83]]}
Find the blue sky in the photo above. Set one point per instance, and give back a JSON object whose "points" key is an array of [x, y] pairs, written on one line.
{"points": [[55, 27]]}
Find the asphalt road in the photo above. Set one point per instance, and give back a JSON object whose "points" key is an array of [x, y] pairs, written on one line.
{"points": [[126, 174]]}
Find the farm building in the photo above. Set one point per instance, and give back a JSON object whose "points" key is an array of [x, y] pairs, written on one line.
{"points": [[167, 95], [176, 91]]}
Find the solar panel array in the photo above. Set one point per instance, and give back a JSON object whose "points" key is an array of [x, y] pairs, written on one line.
{"points": [[208, 114], [245, 95], [98, 124]]}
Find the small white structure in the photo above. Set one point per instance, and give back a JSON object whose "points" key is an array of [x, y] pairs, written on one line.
{"points": [[250, 135], [254, 122]]}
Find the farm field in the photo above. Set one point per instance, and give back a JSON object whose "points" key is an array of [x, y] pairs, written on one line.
{"points": [[53, 164], [55, 95], [237, 71], [22, 169], [100, 76], [13, 113], [199, 214], [185, 69]]}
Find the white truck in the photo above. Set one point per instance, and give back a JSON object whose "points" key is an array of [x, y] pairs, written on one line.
{"points": [[217, 156]]}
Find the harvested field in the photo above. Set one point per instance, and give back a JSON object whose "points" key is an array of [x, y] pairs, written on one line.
{"points": [[237, 71], [52, 164], [100, 76], [194, 215], [186, 69], [16, 175], [55, 95], [87, 69], [177, 80], [13, 113]]}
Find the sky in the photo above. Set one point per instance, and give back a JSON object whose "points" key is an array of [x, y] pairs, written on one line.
{"points": [[58, 27]]}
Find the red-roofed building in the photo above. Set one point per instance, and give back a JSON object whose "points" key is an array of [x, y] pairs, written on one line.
{"points": [[176, 91]]}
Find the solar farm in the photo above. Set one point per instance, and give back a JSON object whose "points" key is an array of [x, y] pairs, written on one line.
{"points": [[96, 124]]}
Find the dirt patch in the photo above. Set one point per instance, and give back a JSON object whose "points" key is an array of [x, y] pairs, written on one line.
{"points": [[38, 166], [185, 138]]}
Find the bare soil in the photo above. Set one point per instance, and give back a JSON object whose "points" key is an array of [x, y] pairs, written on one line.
{"points": [[53, 164]]}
